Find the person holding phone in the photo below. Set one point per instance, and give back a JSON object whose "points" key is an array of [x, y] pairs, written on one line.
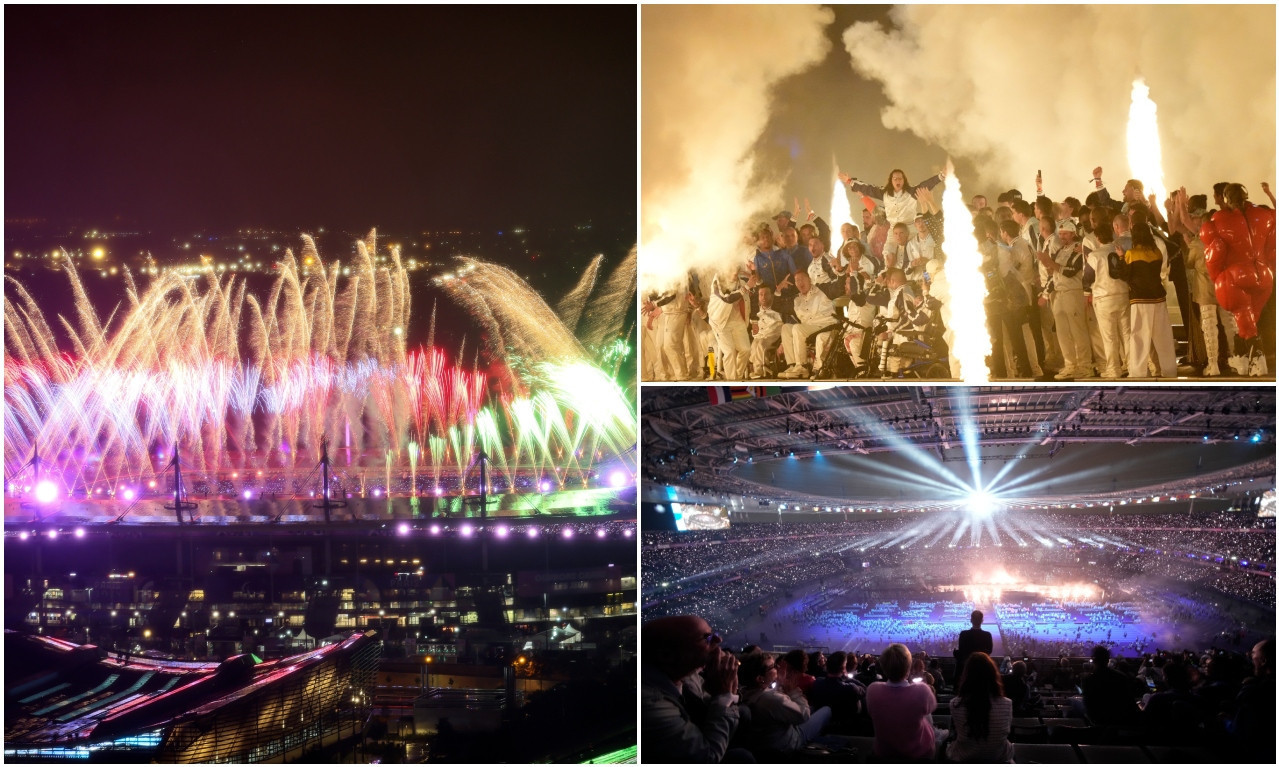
{"points": [[781, 719]]}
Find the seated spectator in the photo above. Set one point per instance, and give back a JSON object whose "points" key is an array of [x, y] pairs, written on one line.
{"points": [[816, 666], [1110, 697], [901, 711], [919, 673], [868, 671], [1017, 688], [1174, 713], [939, 679], [1253, 727], [982, 717], [675, 648], [781, 718], [797, 664], [1063, 676], [843, 695]]}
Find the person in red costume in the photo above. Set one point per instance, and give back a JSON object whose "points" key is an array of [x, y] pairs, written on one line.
{"points": [[1239, 250]]}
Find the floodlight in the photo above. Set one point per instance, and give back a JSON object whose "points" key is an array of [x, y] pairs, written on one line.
{"points": [[981, 504], [46, 491]]}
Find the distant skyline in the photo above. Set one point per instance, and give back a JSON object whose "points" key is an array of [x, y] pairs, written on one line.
{"points": [[404, 117]]}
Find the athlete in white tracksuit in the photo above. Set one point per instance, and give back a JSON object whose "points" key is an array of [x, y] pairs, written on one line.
{"points": [[726, 311], [1110, 304]]}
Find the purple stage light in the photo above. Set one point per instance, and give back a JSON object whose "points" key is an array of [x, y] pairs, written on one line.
{"points": [[568, 532], [627, 534], [128, 494], [501, 531], [546, 486], [532, 532], [46, 491], [467, 530], [248, 494], [617, 479], [79, 532], [404, 528], [377, 492], [435, 529], [600, 533], [439, 491], [22, 536], [53, 534]]}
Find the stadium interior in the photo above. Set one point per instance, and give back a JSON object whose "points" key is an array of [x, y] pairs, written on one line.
{"points": [[846, 519]]}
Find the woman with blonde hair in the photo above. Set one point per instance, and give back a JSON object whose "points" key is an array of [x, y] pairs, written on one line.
{"points": [[901, 710]]}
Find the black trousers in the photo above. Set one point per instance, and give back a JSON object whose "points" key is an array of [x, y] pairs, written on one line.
{"points": [[1001, 321]]}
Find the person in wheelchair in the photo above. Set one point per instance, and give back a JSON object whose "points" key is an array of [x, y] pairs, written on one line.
{"points": [[909, 331], [816, 315]]}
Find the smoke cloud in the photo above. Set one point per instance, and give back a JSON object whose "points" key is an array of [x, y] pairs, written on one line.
{"points": [[1016, 89], [706, 77]]}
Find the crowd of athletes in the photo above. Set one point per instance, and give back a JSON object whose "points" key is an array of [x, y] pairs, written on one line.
{"points": [[1074, 290]]}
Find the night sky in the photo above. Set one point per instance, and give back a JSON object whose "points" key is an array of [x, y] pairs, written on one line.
{"points": [[404, 117]]}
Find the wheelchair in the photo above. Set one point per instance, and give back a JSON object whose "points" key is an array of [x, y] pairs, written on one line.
{"points": [[923, 356]]}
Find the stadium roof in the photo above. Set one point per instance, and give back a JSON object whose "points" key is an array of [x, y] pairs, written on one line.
{"points": [[76, 702], [905, 445]]}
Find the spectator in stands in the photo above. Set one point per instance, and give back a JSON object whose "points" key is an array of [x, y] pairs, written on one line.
{"points": [[919, 673], [982, 716], [1063, 676], [1253, 726], [1018, 689], [1174, 713], [972, 640], [901, 711], [868, 671], [797, 666], [1110, 697], [816, 666], [934, 668], [782, 720], [675, 648], [843, 695]]}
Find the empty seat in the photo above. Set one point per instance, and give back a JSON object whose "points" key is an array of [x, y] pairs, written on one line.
{"points": [[1180, 755], [1113, 755], [1044, 753], [1028, 733], [1073, 734]]}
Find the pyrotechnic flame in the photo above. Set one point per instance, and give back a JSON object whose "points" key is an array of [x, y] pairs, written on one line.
{"points": [[840, 211], [967, 285], [1145, 158]]}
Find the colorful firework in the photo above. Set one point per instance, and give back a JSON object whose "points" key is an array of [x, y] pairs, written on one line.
{"points": [[242, 384]]}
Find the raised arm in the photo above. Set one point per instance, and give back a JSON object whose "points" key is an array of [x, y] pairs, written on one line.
{"points": [[862, 188]]}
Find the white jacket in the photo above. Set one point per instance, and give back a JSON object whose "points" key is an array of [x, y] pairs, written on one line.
{"points": [[1097, 256], [814, 308], [770, 323]]}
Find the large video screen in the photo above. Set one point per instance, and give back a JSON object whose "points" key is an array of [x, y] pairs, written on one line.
{"points": [[699, 517], [1267, 506]]}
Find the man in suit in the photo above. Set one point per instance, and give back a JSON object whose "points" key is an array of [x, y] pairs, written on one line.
{"points": [[972, 640]]}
